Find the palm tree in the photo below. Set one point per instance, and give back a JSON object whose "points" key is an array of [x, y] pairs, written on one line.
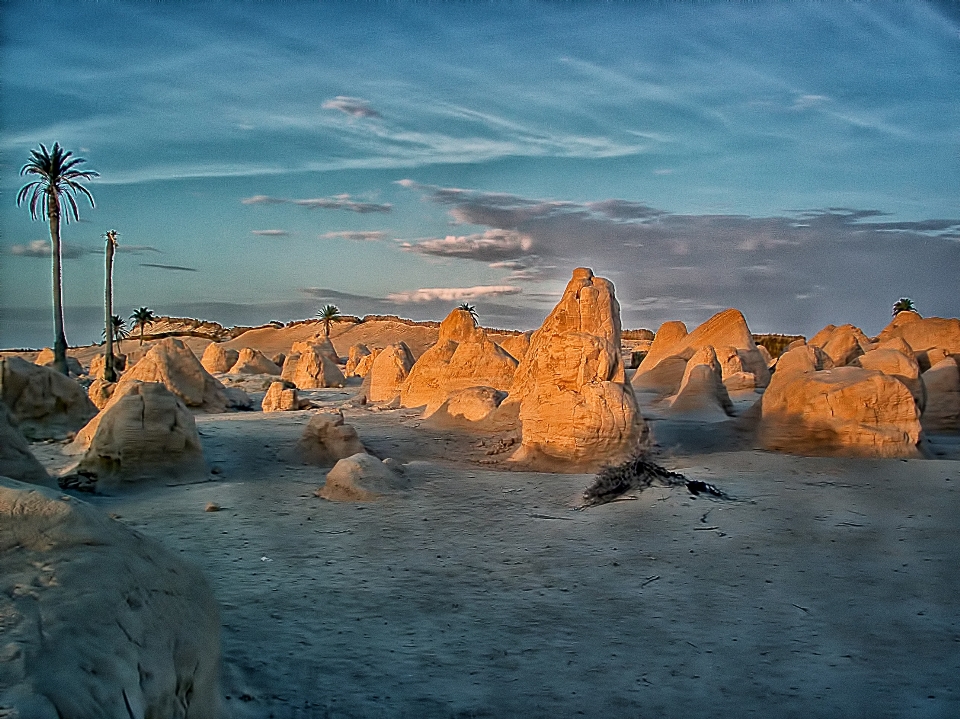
{"points": [[119, 331], [57, 180], [142, 318], [904, 304], [330, 313], [467, 307], [109, 366]]}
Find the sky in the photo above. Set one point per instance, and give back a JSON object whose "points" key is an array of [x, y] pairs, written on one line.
{"points": [[797, 161]]}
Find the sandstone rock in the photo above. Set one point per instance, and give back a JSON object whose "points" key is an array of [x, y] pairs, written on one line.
{"points": [[100, 391], [462, 357], [280, 398], [942, 384], [517, 345], [47, 357], [702, 394], [278, 359], [146, 433], [98, 363], [45, 403], [662, 380], [16, 459], [767, 358], [846, 410], [360, 478], [289, 367], [895, 363], [354, 355], [474, 403], [925, 336], [669, 335], [237, 398], [365, 363], [895, 343], [842, 344], [173, 364], [325, 440], [315, 370], [109, 625], [217, 358], [320, 345], [575, 405], [388, 372], [251, 361]]}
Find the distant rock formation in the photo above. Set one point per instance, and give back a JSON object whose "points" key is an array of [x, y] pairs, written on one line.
{"points": [[354, 355], [113, 625], [99, 362], [365, 363], [281, 398], [842, 344], [45, 403], [326, 439], [251, 361], [46, 358], [702, 394], [361, 478], [218, 359], [16, 459], [462, 357], [575, 406], [310, 369], [388, 373]]}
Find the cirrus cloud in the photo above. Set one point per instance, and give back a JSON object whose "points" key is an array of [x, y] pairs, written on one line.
{"points": [[354, 235], [353, 106], [487, 246], [452, 294], [337, 202]]}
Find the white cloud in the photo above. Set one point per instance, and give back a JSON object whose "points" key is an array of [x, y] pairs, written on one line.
{"points": [[357, 235], [452, 294], [337, 202], [487, 246], [353, 106], [41, 248], [270, 233]]}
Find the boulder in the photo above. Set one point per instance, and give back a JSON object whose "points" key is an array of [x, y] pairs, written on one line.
{"points": [[354, 355], [320, 345], [16, 459], [99, 622], [173, 364], [575, 407], [45, 403], [278, 359], [517, 345], [895, 363], [842, 344], [702, 394], [251, 361], [474, 403], [289, 367], [98, 363], [462, 357], [662, 380], [315, 370], [144, 433], [767, 358], [388, 373], [217, 358], [925, 335], [100, 391], [942, 385], [845, 410], [280, 398], [326, 439], [47, 357], [360, 478], [365, 363]]}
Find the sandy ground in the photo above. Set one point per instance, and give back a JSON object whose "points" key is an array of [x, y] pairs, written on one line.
{"points": [[829, 588]]}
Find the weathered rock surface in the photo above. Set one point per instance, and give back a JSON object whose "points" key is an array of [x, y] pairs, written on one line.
{"points": [[474, 403], [846, 410], [281, 398], [702, 394], [365, 363], [517, 345], [99, 622], [463, 357], [320, 345], [251, 361], [100, 391], [895, 363], [388, 373], [217, 358], [16, 459], [47, 357], [326, 439], [354, 355], [145, 433], [45, 403], [575, 405], [174, 365], [663, 380], [942, 385], [925, 334], [313, 370], [99, 362], [842, 344], [361, 478]]}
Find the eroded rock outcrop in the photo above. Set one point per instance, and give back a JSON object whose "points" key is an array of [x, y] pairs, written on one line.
{"points": [[842, 344], [474, 404], [354, 355], [47, 357], [251, 361], [517, 345], [16, 459], [326, 439], [99, 363], [312, 370], [45, 403], [108, 624], [281, 398], [702, 394], [894, 363], [218, 359], [361, 478], [388, 373], [925, 335], [942, 386], [575, 406]]}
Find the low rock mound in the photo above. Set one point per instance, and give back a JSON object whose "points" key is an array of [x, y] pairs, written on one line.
{"points": [[702, 394], [281, 398], [325, 440], [217, 358], [361, 478], [251, 361], [108, 624], [45, 403], [16, 459]]}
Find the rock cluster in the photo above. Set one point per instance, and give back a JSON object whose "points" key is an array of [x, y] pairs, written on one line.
{"points": [[312, 366], [251, 361], [281, 398], [45, 403]]}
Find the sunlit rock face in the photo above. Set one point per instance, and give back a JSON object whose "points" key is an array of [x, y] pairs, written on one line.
{"points": [[810, 409], [174, 365], [217, 358], [251, 361], [930, 338], [45, 403], [575, 404], [463, 357], [388, 373]]}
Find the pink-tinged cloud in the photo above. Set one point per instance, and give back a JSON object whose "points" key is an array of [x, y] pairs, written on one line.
{"points": [[452, 294], [353, 106], [488, 246]]}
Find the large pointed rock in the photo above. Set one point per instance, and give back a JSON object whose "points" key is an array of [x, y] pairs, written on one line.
{"points": [[99, 622], [174, 365], [16, 459], [702, 394], [576, 408], [354, 355], [45, 403], [252, 361], [462, 357], [315, 370], [388, 373]]}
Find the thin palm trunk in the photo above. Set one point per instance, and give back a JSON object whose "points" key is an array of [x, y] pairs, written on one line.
{"points": [[60, 339], [109, 367]]}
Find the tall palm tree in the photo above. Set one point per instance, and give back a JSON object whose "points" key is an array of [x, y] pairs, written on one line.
{"points": [[109, 365], [467, 307], [118, 331], [904, 304], [57, 181], [330, 313], [141, 319]]}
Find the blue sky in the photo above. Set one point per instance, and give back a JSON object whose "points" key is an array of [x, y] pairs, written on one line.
{"points": [[798, 161]]}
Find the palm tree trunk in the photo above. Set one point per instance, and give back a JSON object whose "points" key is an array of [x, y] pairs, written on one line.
{"points": [[60, 339], [141, 334], [109, 369]]}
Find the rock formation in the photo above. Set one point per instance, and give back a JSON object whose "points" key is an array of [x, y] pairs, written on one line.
{"points": [[894, 363], [109, 625], [99, 362], [360, 478], [251, 361], [309, 369], [45, 403], [575, 406], [16, 459], [365, 363], [100, 391], [462, 357], [942, 386], [47, 357], [473, 403], [146, 432], [281, 398], [517, 345], [925, 335], [388, 373], [325, 440], [354, 355], [842, 344], [702, 394], [845, 410], [217, 358]]}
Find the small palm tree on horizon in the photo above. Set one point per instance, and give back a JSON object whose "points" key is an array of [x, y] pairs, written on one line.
{"points": [[57, 181], [471, 309], [119, 331], [327, 315], [142, 318], [904, 304]]}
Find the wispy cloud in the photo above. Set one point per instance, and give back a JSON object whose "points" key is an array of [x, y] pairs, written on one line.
{"points": [[175, 268], [354, 235], [353, 106], [487, 246], [135, 250], [452, 294], [270, 233], [337, 202], [41, 248]]}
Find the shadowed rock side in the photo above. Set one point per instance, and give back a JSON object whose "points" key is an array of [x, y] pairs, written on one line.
{"points": [[217, 358], [99, 363], [463, 357], [576, 409], [112, 626], [517, 345], [942, 387], [47, 357], [325, 440], [388, 372], [702, 394], [361, 478], [16, 459], [354, 355], [45, 403], [808, 409]]}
